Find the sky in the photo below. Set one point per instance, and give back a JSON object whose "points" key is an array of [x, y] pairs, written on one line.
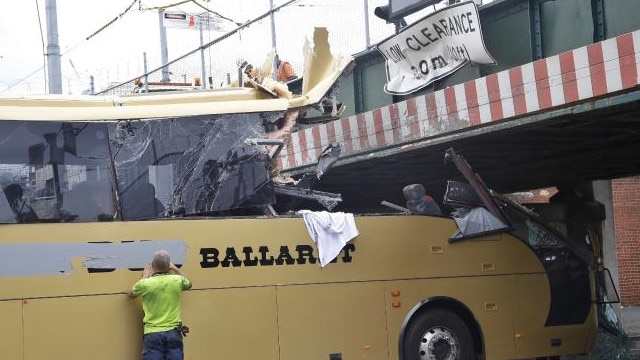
{"points": [[110, 55], [115, 54]]}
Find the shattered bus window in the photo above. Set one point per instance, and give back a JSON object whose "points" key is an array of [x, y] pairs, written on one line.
{"points": [[54, 171], [190, 165]]}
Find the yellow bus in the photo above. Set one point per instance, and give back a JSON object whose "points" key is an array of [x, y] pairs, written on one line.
{"points": [[94, 185]]}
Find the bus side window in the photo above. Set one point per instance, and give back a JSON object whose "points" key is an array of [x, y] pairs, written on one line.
{"points": [[520, 228], [140, 202], [530, 231], [22, 211], [88, 201], [6, 213], [538, 236]]}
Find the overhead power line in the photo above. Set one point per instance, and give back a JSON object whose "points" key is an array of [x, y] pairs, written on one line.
{"points": [[113, 20], [107, 25], [44, 55], [71, 49], [162, 7], [44, 58], [215, 13]]}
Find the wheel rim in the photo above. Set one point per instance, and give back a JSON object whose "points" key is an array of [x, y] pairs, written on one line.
{"points": [[439, 343]]}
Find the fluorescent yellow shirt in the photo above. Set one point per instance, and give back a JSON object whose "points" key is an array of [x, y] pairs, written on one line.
{"points": [[161, 300]]}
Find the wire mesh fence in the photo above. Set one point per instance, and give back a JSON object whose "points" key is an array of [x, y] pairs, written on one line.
{"points": [[352, 27]]}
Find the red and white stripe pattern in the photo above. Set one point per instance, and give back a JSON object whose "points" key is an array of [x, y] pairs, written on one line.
{"points": [[580, 74]]}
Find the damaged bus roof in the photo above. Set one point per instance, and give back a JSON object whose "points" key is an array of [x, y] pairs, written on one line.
{"points": [[321, 71]]}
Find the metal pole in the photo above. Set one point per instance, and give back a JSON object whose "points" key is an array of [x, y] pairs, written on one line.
{"points": [[146, 76], [273, 24], [215, 41], [53, 49], [274, 68], [203, 79], [164, 51], [366, 23]]}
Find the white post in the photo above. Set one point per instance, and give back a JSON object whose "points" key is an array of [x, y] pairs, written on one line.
{"points": [[164, 51], [146, 76], [274, 68]]}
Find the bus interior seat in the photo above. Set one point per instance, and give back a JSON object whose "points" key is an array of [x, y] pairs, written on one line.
{"points": [[461, 194], [418, 202]]}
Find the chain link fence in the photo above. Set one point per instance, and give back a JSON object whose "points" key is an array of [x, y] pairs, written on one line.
{"points": [[352, 27]]}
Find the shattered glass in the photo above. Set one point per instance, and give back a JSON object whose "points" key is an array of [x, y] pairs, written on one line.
{"points": [[191, 165], [63, 171], [328, 202], [612, 343]]}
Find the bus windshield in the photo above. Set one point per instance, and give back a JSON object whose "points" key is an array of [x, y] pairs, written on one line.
{"points": [[132, 169], [538, 235]]}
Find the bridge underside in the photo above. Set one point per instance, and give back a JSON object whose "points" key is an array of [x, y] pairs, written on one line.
{"points": [[569, 118], [594, 140]]}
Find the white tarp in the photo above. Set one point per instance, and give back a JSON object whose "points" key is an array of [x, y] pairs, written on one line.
{"points": [[433, 48]]}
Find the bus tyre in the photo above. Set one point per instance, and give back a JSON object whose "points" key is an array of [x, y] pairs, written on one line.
{"points": [[437, 335]]}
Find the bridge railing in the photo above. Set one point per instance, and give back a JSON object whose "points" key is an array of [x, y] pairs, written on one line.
{"points": [[351, 24]]}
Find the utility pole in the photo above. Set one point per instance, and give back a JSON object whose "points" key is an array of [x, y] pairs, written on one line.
{"points": [[274, 67], [53, 49], [203, 81], [273, 24]]}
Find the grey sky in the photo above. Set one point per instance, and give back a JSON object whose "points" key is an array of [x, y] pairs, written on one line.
{"points": [[110, 54], [116, 53]]}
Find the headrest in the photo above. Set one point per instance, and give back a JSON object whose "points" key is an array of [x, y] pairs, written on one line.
{"points": [[413, 192]]}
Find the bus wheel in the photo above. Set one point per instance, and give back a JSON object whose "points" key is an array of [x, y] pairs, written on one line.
{"points": [[438, 335]]}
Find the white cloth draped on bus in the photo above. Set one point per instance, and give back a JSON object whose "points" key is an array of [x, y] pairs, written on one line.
{"points": [[330, 232]]}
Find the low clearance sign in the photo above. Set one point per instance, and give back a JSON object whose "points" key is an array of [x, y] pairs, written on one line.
{"points": [[433, 48]]}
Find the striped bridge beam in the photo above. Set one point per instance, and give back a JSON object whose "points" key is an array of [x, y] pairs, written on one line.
{"points": [[581, 74]]}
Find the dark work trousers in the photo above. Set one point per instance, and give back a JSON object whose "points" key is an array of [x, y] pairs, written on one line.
{"points": [[165, 345]]}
